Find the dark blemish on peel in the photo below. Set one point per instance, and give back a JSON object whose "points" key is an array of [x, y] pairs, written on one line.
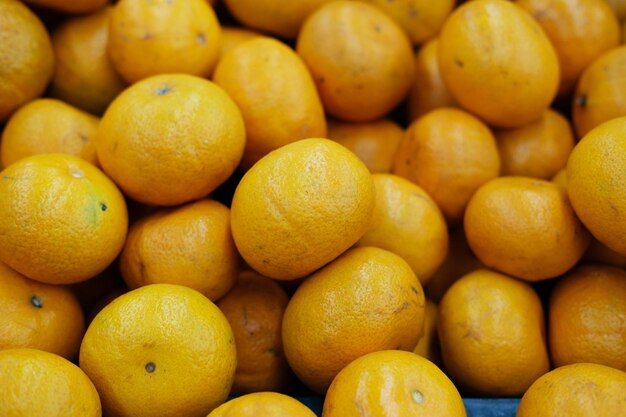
{"points": [[36, 301], [163, 91], [7, 177], [147, 36], [414, 290], [378, 29], [581, 101], [103, 207], [150, 367], [458, 62], [201, 39], [83, 138]]}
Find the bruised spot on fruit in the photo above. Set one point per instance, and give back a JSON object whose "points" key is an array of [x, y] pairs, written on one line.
{"points": [[201, 39], [147, 36], [150, 367], [163, 91], [103, 207], [417, 396], [458, 62], [581, 101], [83, 138], [36, 301], [414, 290]]}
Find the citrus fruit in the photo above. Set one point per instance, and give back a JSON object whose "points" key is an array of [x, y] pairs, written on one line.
{"points": [[170, 139], [392, 383], [481, 349], [428, 346], [61, 219], [36, 383], [233, 36], [525, 227], [255, 308], [39, 316], [161, 349], [300, 207], [367, 300], [266, 404], [189, 245]]}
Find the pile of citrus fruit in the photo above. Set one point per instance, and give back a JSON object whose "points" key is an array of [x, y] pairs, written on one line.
{"points": [[389, 204]]}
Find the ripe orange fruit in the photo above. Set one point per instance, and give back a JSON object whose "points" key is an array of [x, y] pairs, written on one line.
{"points": [[428, 346], [163, 36], [392, 383], [74, 6], [579, 30], [449, 153], [408, 223], [599, 95], [39, 316], [255, 308], [539, 149], [365, 301], [266, 404], [498, 63], [428, 91], [560, 178], [233, 36], [170, 139], [274, 16], [83, 73], [27, 55], [61, 219], [580, 390], [596, 183], [189, 245], [275, 93], [375, 142], [300, 207], [587, 310], [482, 350], [365, 67], [36, 383], [421, 19], [49, 126], [525, 227], [161, 349]]}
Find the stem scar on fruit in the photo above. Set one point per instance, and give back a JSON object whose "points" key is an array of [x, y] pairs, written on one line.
{"points": [[581, 101], [36, 301], [150, 367]]}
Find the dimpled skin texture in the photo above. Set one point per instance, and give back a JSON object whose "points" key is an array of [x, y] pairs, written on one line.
{"points": [[481, 349], [588, 317], [190, 245], [37, 383], [525, 227], [365, 67], [275, 93], [300, 207], [596, 183], [61, 219], [392, 383], [367, 300], [26, 57], [498, 63], [52, 321], [265, 404], [160, 350], [578, 390], [170, 139]]}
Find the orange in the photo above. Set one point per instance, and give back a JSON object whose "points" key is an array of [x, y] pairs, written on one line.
{"points": [[539, 149], [255, 308], [449, 153], [428, 346], [232, 37], [26, 56], [61, 219], [37, 383], [275, 93], [580, 390], [190, 245], [39, 316], [374, 142], [83, 73], [274, 16], [525, 227], [163, 36], [579, 30], [392, 383], [360, 59], [588, 317], [161, 349], [365, 301], [428, 91], [170, 139], [266, 404], [596, 183], [49, 126], [408, 223], [421, 19], [492, 335], [300, 207], [73, 6], [599, 95], [560, 178], [498, 63]]}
